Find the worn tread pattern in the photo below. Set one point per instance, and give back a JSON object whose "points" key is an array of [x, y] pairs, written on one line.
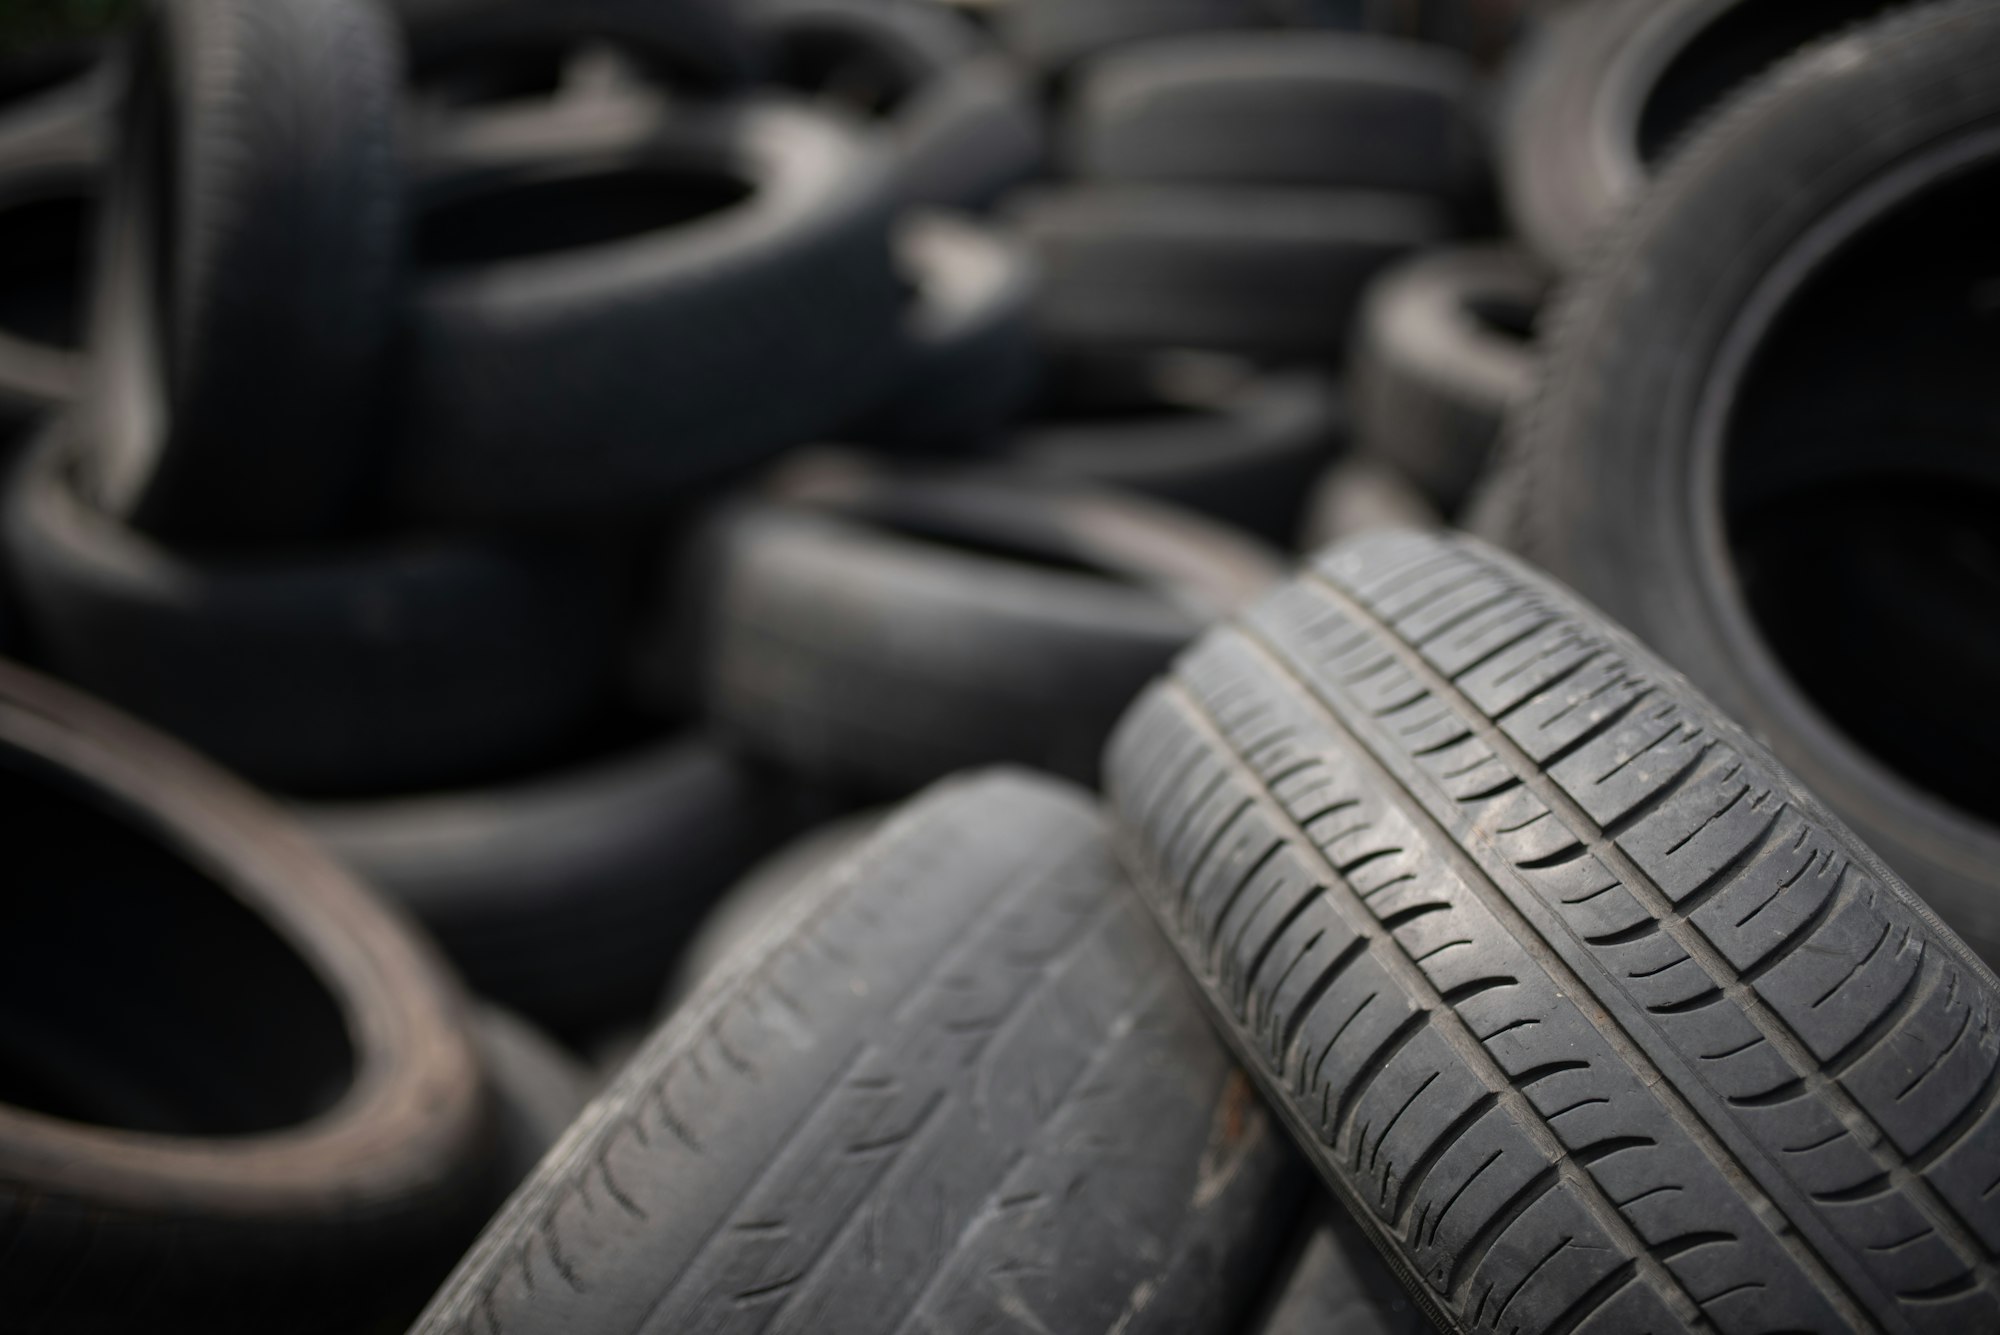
{"points": [[1592, 1014], [958, 1085]]}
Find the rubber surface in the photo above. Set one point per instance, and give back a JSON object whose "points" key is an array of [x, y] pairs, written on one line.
{"points": [[894, 1117], [538, 1089], [172, 1158], [698, 43], [876, 633], [1265, 271], [1052, 35], [249, 271], [1358, 496], [1592, 1014], [1337, 1284], [379, 668]]}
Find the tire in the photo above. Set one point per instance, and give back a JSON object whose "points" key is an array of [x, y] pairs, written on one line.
{"points": [[1358, 496], [970, 357], [567, 896], [382, 669], [966, 140], [1796, 511], [1577, 999], [873, 633], [1337, 1282], [1269, 271], [538, 1089], [171, 1158], [1603, 91], [1216, 437], [646, 355], [698, 43], [1324, 110], [1443, 356], [1052, 35], [249, 271], [899, 1100], [51, 144]]}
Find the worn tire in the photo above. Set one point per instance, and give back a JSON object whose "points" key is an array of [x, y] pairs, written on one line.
{"points": [[1263, 271], [1216, 437], [249, 271], [257, 1107], [567, 896], [894, 1112], [1443, 356], [384, 668], [1603, 91], [1358, 496], [1794, 509], [875, 632], [557, 376], [1581, 1003], [1331, 110]]}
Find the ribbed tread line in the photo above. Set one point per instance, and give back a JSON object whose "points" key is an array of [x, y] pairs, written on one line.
{"points": [[1670, 917], [1430, 1012]]}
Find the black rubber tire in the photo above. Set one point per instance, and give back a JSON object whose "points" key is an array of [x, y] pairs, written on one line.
{"points": [[568, 896], [257, 1107], [379, 669], [1602, 92], [1049, 36], [576, 381], [698, 43], [1358, 496], [538, 1089], [970, 356], [876, 632], [1264, 271], [961, 123], [765, 894], [1212, 435], [52, 131], [1337, 1283], [907, 1094], [1330, 110], [1672, 414], [249, 270], [1580, 1002], [1443, 356]]}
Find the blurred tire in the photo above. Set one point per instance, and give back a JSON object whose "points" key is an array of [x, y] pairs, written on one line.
{"points": [[698, 43], [1358, 496], [538, 1089]]}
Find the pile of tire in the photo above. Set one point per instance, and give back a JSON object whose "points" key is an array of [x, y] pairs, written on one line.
{"points": [[1240, 666]]}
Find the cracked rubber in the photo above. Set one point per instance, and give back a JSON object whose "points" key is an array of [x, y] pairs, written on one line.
{"points": [[1594, 1018], [960, 1087]]}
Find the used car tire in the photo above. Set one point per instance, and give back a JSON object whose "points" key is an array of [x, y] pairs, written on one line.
{"points": [[900, 1095], [1603, 91], [1213, 435], [1358, 496], [257, 1106], [1796, 509], [875, 632], [248, 280], [1443, 356], [382, 668], [576, 352], [567, 896], [1578, 1000], [1334, 110], [1263, 271]]}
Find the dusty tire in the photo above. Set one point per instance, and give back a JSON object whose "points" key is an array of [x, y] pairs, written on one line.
{"points": [[1443, 357], [1331, 110], [571, 358], [1264, 271], [249, 270], [1578, 1000], [172, 1158], [1794, 509], [875, 633], [1603, 91], [567, 896], [899, 1095], [1214, 436], [384, 668]]}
